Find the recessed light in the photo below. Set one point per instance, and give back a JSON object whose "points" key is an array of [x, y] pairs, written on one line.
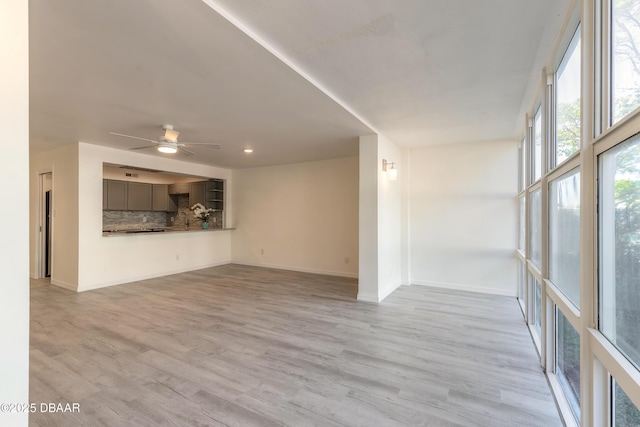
{"points": [[248, 150]]}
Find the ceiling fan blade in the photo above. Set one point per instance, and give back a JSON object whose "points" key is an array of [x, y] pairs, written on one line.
{"points": [[185, 151], [203, 144], [142, 148], [134, 137]]}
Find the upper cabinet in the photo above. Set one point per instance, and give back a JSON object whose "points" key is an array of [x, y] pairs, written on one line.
{"points": [[139, 196], [179, 188], [105, 191], [209, 194], [116, 195], [214, 194], [136, 196], [196, 193], [162, 200]]}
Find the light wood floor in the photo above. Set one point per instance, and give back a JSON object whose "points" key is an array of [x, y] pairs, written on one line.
{"points": [[237, 345]]}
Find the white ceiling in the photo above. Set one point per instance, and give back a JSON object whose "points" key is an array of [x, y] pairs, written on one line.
{"points": [[419, 71]]}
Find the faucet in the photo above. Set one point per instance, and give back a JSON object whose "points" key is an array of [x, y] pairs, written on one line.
{"points": [[186, 219]]}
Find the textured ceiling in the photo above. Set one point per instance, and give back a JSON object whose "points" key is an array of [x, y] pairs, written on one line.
{"points": [[420, 72]]}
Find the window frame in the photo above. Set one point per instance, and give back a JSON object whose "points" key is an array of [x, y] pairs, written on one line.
{"points": [[599, 358], [576, 38], [570, 166], [603, 149], [605, 9]]}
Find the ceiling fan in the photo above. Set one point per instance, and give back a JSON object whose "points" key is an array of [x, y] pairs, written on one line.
{"points": [[168, 143]]}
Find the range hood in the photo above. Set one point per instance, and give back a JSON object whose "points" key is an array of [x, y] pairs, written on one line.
{"points": [[180, 188]]}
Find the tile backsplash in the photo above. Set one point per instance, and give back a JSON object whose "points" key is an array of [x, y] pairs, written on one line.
{"points": [[184, 212], [124, 220]]}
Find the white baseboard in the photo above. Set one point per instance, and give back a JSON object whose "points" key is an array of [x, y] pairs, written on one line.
{"points": [[93, 286], [466, 288], [294, 268], [377, 298], [64, 285], [388, 291], [367, 297]]}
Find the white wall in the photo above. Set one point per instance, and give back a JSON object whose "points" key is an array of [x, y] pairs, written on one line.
{"points": [[368, 219], [381, 238], [405, 223], [14, 223], [389, 220], [63, 163], [301, 216], [104, 261], [463, 216], [119, 173], [84, 259]]}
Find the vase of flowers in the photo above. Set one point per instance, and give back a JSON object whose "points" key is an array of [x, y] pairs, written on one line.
{"points": [[202, 213]]}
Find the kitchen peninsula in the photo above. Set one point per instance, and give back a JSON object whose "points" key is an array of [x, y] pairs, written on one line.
{"points": [[150, 204], [131, 231]]}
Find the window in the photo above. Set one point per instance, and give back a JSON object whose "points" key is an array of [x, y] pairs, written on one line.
{"points": [[564, 234], [537, 305], [535, 227], [568, 102], [522, 282], [559, 230], [624, 413], [619, 246], [537, 145], [568, 361], [625, 58], [523, 166], [522, 224]]}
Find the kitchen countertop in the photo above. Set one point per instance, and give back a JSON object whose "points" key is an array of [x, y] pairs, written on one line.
{"points": [[158, 230]]}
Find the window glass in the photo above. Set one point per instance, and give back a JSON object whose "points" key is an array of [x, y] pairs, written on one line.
{"points": [[564, 234], [625, 58], [535, 227], [537, 145], [619, 246], [568, 361], [537, 303], [568, 102], [522, 224], [523, 167], [522, 281], [624, 413]]}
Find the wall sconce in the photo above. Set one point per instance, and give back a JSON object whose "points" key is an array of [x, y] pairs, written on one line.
{"points": [[389, 168]]}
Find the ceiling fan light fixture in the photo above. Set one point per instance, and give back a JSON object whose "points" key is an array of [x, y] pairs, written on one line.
{"points": [[167, 148]]}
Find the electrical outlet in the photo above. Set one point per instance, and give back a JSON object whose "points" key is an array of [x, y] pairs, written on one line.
{"points": [[177, 257], [261, 251], [346, 260], [144, 219]]}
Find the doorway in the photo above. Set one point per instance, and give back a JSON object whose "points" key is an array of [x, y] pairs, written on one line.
{"points": [[46, 232]]}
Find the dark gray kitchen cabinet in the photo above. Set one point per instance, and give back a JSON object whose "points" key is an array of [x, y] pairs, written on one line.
{"points": [[197, 193], [179, 188], [105, 199], [162, 200], [215, 194], [139, 196], [116, 195]]}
